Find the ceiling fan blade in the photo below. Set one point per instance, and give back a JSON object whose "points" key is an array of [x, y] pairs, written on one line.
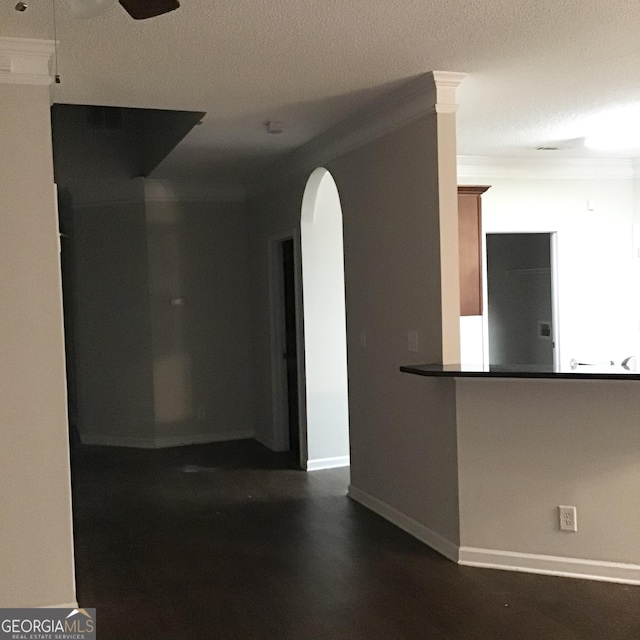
{"points": [[143, 9]]}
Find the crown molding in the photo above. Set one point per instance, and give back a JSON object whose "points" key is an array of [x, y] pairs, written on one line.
{"points": [[473, 168], [26, 61], [446, 83], [187, 191], [429, 93]]}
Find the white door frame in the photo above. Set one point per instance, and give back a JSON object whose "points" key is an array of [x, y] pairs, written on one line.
{"points": [[280, 412], [555, 293]]}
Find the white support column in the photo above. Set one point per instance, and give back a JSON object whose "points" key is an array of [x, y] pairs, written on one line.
{"points": [[445, 107], [36, 556]]}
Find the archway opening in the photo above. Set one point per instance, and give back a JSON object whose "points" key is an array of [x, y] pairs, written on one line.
{"points": [[325, 431]]}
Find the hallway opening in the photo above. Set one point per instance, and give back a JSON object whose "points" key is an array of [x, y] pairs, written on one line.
{"points": [[326, 437]]}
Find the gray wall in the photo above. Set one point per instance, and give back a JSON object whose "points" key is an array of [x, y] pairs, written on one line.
{"points": [[528, 446], [402, 429], [202, 360], [149, 374], [112, 323], [36, 553]]}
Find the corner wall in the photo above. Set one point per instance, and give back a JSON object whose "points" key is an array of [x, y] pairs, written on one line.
{"points": [[149, 372], [402, 430], [403, 439]]}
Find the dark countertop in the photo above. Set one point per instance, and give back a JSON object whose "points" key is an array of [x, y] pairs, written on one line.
{"points": [[583, 372]]}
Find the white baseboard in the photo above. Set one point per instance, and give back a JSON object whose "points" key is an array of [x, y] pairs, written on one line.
{"points": [[328, 463], [551, 565], [432, 539], [71, 605], [168, 441]]}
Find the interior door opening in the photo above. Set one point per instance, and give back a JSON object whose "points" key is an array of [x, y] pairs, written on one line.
{"points": [[326, 416], [308, 332]]}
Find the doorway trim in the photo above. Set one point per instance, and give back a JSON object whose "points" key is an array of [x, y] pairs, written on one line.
{"points": [[280, 424], [555, 292]]}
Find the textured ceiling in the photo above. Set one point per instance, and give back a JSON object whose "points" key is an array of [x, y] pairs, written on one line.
{"points": [[537, 68]]}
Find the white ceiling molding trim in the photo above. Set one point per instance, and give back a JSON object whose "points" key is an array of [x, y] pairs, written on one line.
{"points": [[429, 93], [472, 168], [183, 191], [446, 84], [26, 61]]}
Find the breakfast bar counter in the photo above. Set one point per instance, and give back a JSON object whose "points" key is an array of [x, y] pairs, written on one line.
{"points": [[580, 372], [528, 440]]}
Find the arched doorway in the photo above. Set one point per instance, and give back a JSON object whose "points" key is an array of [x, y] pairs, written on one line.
{"points": [[325, 427]]}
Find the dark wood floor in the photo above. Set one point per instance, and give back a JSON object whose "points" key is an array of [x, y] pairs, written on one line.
{"points": [[223, 542]]}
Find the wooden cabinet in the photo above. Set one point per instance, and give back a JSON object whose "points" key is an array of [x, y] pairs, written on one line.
{"points": [[470, 242]]}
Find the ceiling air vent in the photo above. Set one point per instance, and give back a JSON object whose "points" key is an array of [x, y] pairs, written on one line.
{"points": [[104, 118]]}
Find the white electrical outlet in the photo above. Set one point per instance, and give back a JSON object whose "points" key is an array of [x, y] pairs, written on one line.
{"points": [[568, 518], [413, 341]]}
